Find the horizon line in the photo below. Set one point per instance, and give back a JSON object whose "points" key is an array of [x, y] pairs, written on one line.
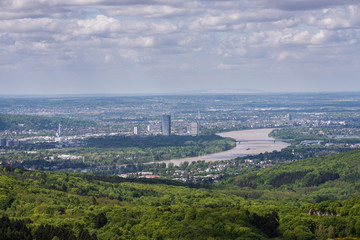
{"points": [[189, 93]]}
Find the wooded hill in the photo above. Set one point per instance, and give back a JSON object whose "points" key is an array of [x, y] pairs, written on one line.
{"points": [[44, 205], [334, 177], [314, 198]]}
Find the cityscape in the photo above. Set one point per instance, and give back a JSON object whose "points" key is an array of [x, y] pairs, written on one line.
{"points": [[179, 120], [325, 127], [259, 151]]}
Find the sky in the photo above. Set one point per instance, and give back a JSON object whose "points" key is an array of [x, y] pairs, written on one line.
{"points": [[178, 46]]}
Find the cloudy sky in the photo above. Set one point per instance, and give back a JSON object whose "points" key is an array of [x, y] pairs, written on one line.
{"points": [[166, 46]]}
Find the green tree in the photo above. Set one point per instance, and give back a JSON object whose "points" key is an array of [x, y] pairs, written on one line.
{"points": [[100, 220]]}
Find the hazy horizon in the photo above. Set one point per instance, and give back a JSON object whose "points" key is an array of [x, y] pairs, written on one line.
{"points": [[192, 93]]}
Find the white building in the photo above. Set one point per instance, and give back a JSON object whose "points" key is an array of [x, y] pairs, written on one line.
{"points": [[194, 129], [137, 130]]}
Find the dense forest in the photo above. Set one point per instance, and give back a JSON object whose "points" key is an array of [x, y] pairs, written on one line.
{"points": [[151, 141], [44, 205], [339, 174], [130, 149], [115, 150], [322, 194], [316, 198], [298, 134]]}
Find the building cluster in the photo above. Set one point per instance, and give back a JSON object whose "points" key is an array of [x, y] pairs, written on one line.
{"points": [[8, 142], [139, 175], [311, 142], [192, 128]]}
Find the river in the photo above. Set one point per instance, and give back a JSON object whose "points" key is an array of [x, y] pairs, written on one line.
{"points": [[249, 142]]}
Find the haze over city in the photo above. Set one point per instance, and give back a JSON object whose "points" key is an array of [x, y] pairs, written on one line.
{"points": [[157, 46]]}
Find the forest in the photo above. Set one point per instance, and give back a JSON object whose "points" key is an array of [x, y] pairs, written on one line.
{"points": [[44, 205], [315, 198], [130, 149], [115, 150], [150, 141], [298, 134]]}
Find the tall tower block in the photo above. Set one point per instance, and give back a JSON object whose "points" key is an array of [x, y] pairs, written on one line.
{"points": [[137, 130], [58, 132], [166, 125], [194, 129]]}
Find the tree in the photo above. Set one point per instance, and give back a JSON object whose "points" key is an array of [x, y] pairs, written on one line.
{"points": [[100, 220], [85, 235], [268, 224]]}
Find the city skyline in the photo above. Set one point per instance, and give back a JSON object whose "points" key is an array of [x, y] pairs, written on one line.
{"points": [[166, 47]]}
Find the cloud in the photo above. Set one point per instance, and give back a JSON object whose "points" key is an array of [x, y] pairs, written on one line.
{"points": [[301, 5], [189, 37], [148, 11], [337, 18]]}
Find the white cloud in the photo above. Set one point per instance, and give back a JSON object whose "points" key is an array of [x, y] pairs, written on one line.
{"points": [[196, 36]]}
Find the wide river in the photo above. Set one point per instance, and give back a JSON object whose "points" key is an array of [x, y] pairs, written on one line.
{"points": [[249, 142]]}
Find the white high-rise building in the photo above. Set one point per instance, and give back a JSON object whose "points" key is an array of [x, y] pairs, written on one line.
{"points": [[150, 128], [194, 129], [137, 130], [58, 132]]}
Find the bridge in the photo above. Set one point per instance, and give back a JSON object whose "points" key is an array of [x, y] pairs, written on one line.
{"points": [[273, 140]]}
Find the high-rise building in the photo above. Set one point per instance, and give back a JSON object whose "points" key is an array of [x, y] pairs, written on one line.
{"points": [[290, 117], [58, 132], [166, 125], [194, 129], [3, 142], [199, 115], [9, 142], [137, 130]]}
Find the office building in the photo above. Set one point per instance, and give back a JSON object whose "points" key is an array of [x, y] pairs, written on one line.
{"points": [[58, 132], [137, 130], [194, 129], [166, 125], [290, 117], [150, 128], [3, 142], [9, 142]]}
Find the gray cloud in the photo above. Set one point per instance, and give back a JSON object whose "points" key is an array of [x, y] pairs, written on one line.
{"points": [[159, 38], [301, 5]]}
